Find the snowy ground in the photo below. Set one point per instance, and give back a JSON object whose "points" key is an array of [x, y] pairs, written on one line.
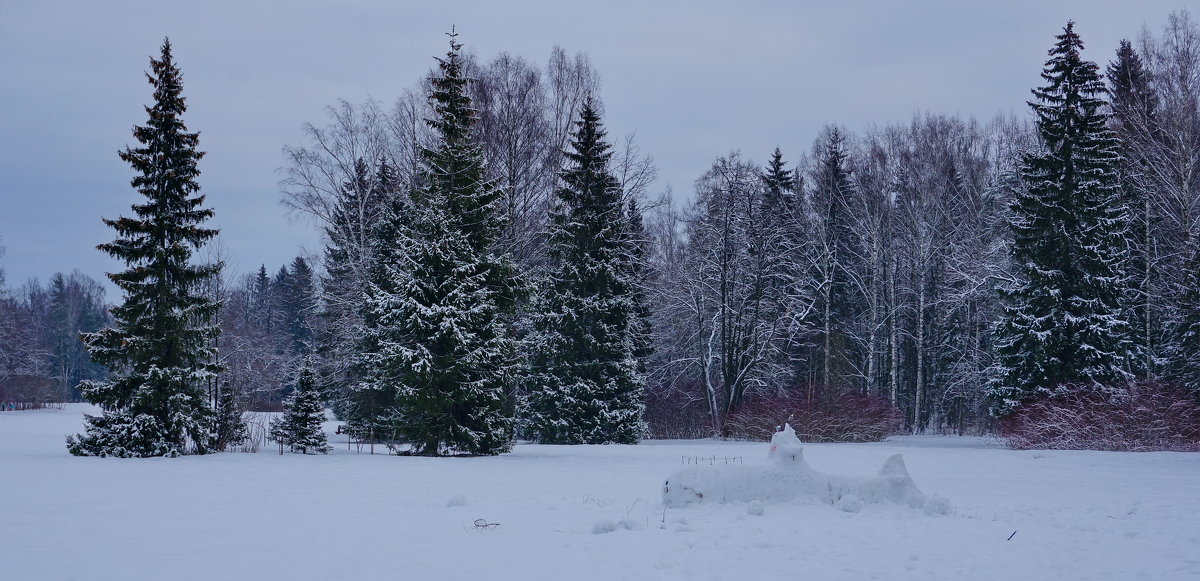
{"points": [[1077, 515]]}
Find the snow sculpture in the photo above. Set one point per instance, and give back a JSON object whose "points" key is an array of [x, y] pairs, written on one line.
{"points": [[788, 477]]}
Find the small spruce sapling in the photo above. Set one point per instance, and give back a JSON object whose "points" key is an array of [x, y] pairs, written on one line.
{"points": [[300, 426], [230, 428]]}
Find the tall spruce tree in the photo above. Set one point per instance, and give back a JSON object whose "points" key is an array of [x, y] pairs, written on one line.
{"points": [[434, 333], [777, 235], [780, 186], [357, 210], [299, 306], [161, 345], [639, 267], [1064, 323], [586, 387], [834, 262], [1133, 105], [369, 402], [261, 310], [1185, 360]]}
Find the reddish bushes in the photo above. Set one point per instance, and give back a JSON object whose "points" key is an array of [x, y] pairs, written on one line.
{"points": [[848, 417], [674, 415], [1149, 416]]}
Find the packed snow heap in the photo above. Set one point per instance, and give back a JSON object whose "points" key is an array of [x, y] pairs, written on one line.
{"points": [[788, 477]]}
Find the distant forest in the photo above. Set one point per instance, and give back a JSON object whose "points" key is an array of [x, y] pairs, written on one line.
{"points": [[941, 274]]}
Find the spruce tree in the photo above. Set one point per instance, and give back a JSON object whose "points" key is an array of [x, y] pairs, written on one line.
{"points": [[1185, 360], [161, 344], [434, 332], [639, 268], [281, 298], [1133, 101], [1064, 323], [780, 185], [300, 428], [1133, 105], [356, 212], [586, 385], [776, 235], [261, 303], [300, 302], [370, 403], [834, 263], [229, 427]]}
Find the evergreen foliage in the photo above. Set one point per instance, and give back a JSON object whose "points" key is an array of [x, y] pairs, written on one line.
{"points": [[780, 187], [777, 237], [639, 267], [1133, 105], [1185, 368], [586, 386], [1065, 322], [76, 305], [160, 347], [298, 303], [434, 340], [835, 263], [300, 427], [358, 208], [229, 428], [369, 404], [261, 303]]}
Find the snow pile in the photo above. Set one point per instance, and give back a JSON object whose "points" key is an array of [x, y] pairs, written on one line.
{"points": [[788, 477], [606, 525]]}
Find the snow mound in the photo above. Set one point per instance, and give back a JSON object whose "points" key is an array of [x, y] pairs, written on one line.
{"points": [[788, 477], [850, 503], [606, 525], [755, 508], [938, 505]]}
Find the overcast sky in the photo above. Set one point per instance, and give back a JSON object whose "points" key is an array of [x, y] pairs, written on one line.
{"points": [[694, 79]]}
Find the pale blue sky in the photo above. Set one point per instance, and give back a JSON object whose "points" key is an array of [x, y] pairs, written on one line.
{"points": [[694, 79]]}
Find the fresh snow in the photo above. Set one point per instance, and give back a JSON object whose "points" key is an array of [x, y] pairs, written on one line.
{"points": [[583, 512]]}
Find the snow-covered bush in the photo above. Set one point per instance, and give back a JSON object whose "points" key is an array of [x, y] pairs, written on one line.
{"points": [[1149, 416], [848, 417]]}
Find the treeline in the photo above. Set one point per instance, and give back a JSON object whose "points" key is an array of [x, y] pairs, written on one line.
{"points": [[495, 266], [41, 357], [869, 269], [267, 326], [952, 268]]}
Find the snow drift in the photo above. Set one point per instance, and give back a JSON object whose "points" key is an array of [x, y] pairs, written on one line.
{"points": [[788, 477]]}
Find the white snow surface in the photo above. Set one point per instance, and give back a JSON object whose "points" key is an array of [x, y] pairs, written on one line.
{"points": [[1076, 515]]}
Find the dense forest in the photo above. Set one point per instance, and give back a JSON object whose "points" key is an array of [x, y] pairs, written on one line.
{"points": [[496, 266]]}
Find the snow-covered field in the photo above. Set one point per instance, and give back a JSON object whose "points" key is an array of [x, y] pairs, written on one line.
{"points": [[1077, 515]]}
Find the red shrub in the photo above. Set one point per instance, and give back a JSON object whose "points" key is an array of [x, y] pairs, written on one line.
{"points": [[848, 417], [1149, 416], [675, 415]]}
